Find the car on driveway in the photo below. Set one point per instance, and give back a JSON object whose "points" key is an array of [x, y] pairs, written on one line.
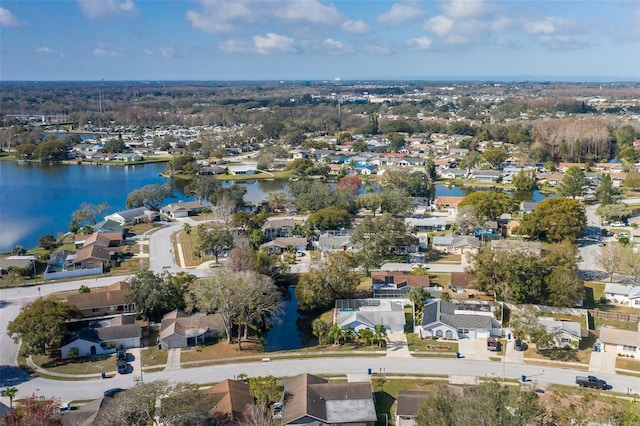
{"points": [[618, 225], [122, 366], [519, 345]]}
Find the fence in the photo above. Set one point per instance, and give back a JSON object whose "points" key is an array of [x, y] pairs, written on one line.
{"points": [[614, 316], [74, 273]]}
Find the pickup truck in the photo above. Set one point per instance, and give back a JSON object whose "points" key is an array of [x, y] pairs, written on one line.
{"points": [[591, 382]]}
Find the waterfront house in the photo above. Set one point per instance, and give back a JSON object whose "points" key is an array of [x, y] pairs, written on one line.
{"points": [[25, 262], [133, 216], [183, 209], [93, 256], [278, 227], [449, 203], [486, 176], [311, 400], [179, 330], [358, 314]]}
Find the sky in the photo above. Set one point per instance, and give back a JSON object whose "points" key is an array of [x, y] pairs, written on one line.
{"points": [[91, 40]]}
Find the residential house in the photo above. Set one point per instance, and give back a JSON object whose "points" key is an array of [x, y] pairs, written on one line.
{"points": [[104, 337], [486, 176], [278, 227], [311, 400], [359, 314], [331, 241], [282, 244], [527, 206], [408, 403], [454, 173], [133, 216], [623, 342], [25, 262], [128, 157], [564, 333], [455, 320], [107, 300], [100, 239], [459, 244], [84, 415], [93, 256], [108, 226], [461, 283], [551, 179], [449, 203], [426, 223], [563, 167], [230, 398], [244, 169], [623, 294], [179, 330], [183, 209]]}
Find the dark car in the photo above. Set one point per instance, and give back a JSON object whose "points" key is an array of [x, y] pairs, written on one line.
{"points": [[122, 366], [113, 392], [122, 354], [518, 345]]}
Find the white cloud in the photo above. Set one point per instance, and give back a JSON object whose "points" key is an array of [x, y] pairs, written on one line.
{"points": [[440, 25], [464, 8], [401, 12], [274, 43], [104, 50], [309, 11], [166, 52], [8, 19], [45, 50], [336, 47], [419, 43], [236, 46], [382, 49], [223, 17], [96, 9], [548, 25], [356, 27]]}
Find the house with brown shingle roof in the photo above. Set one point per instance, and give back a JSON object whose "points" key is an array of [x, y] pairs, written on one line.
{"points": [[621, 341], [93, 256], [310, 400], [230, 398], [101, 239], [409, 401], [107, 300], [179, 330]]}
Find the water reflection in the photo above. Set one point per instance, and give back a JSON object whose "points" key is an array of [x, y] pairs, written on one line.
{"points": [[293, 331]]}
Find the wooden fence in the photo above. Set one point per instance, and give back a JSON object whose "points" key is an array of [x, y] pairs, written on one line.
{"points": [[614, 316]]}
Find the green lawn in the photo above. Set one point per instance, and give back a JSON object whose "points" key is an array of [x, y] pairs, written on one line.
{"points": [[628, 364], [93, 365], [153, 356], [582, 355], [386, 391], [415, 343]]}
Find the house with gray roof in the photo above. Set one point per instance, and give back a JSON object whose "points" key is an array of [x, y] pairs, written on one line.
{"points": [[179, 330], [409, 402], [625, 342], [331, 241], [311, 400], [623, 294], [359, 314], [183, 209], [564, 333], [486, 176], [104, 337], [426, 223], [133, 216], [458, 320]]}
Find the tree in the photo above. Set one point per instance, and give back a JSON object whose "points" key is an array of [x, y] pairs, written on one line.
{"points": [[88, 213], [606, 191], [525, 181], [632, 180], [257, 415], [215, 240], [494, 156], [554, 219], [352, 183], [320, 329], [265, 390], [631, 264], [331, 279], [9, 392], [203, 186], [470, 160], [155, 294], [114, 145], [329, 218], [467, 220], [26, 150], [34, 410], [418, 296], [186, 228], [261, 301], [564, 287], [572, 182], [47, 242], [276, 200], [611, 259], [18, 251], [525, 324], [150, 196], [40, 325], [489, 205], [382, 235], [84, 289], [371, 201], [612, 212], [51, 151]]}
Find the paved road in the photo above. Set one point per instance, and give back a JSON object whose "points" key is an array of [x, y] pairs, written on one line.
{"points": [[350, 365]]}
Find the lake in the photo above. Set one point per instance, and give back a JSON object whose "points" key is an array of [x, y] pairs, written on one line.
{"points": [[38, 199], [292, 331]]}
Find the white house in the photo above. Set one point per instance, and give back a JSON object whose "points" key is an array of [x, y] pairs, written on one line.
{"points": [[359, 314], [625, 342], [104, 337], [623, 294], [458, 320], [563, 333], [133, 216]]}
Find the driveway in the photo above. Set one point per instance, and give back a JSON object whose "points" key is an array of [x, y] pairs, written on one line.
{"points": [[603, 362], [475, 349], [397, 346], [511, 355]]}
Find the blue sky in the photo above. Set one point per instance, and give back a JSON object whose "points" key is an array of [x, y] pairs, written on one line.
{"points": [[319, 40]]}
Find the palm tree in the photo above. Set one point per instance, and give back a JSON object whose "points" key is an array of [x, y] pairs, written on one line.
{"points": [[320, 330], [9, 392], [187, 230], [348, 334], [367, 335], [335, 332], [380, 334]]}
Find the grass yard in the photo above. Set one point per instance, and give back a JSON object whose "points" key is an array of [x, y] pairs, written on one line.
{"points": [[386, 391], [628, 364], [93, 365], [625, 325], [220, 350], [417, 344], [141, 228], [443, 279], [582, 355], [153, 356]]}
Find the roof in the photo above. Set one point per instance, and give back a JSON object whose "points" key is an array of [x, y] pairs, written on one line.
{"points": [[284, 242], [461, 279], [311, 396], [85, 415], [230, 397], [189, 326], [555, 327], [106, 334], [399, 277], [448, 200], [409, 401], [103, 237], [183, 205], [445, 240], [129, 214], [616, 336], [17, 261], [279, 223], [112, 295], [445, 312], [465, 240], [631, 291], [531, 247], [93, 252]]}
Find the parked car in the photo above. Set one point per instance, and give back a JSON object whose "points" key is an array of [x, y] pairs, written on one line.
{"points": [[122, 366], [113, 392], [622, 235], [492, 344], [591, 382], [618, 224], [519, 345], [122, 354]]}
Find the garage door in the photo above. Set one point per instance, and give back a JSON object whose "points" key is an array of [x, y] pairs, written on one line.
{"points": [[482, 334]]}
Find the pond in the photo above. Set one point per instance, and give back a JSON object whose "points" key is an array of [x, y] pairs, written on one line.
{"points": [[293, 331]]}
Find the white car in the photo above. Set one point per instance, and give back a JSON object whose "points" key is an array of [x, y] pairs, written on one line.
{"points": [[618, 225]]}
